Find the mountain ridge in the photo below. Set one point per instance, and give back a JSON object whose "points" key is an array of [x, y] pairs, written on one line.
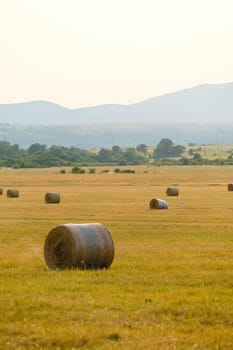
{"points": [[206, 103]]}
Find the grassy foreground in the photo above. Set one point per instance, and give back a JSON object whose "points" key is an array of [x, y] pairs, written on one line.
{"points": [[170, 285]]}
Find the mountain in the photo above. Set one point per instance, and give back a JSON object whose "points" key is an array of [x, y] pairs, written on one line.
{"points": [[201, 104], [123, 135]]}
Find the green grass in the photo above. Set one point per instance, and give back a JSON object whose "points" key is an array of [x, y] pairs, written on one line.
{"points": [[170, 285]]}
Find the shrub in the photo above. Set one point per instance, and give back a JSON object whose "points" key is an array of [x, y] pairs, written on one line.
{"points": [[77, 170], [184, 161], [92, 171], [129, 171]]}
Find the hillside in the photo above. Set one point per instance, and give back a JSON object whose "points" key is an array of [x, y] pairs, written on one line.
{"points": [[124, 135], [201, 104]]}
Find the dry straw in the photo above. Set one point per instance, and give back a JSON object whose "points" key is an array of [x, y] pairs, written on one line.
{"points": [[52, 197], [83, 246], [172, 191], [12, 193], [157, 203]]}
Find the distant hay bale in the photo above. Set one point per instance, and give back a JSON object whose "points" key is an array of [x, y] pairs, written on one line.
{"points": [[157, 203], [83, 246], [1, 191], [12, 193], [172, 191], [230, 187], [52, 197]]}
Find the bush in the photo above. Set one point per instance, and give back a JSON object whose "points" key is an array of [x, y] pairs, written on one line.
{"points": [[125, 171], [92, 171], [77, 170], [184, 161], [129, 171], [63, 171]]}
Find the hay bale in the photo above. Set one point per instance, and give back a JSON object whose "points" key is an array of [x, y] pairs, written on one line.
{"points": [[230, 187], [83, 246], [52, 197], [12, 193], [172, 191], [157, 203], [1, 191]]}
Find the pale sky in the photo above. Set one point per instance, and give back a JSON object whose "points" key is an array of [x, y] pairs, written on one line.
{"points": [[87, 52]]}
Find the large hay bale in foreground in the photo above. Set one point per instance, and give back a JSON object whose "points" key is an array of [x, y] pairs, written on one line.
{"points": [[12, 193], [230, 187], [83, 246], [52, 197], [157, 203], [172, 191]]}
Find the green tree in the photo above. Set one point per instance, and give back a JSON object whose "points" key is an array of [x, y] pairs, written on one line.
{"points": [[184, 161], [59, 152], [130, 154], [44, 159], [116, 150], [36, 147], [142, 148], [7, 150], [105, 155], [197, 157], [167, 149]]}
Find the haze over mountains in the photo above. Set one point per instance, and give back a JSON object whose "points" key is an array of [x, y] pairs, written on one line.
{"points": [[200, 104], [202, 114]]}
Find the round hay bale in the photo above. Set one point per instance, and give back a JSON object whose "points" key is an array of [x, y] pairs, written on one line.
{"points": [[172, 191], [12, 193], [157, 203], [52, 197], [83, 246], [1, 191], [230, 187]]}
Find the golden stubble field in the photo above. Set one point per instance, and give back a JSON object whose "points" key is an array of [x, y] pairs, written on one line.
{"points": [[170, 285]]}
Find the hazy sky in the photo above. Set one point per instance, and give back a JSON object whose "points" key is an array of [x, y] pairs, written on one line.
{"points": [[88, 52]]}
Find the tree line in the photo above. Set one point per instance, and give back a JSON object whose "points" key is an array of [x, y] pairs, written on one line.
{"points": [[39, 155]]}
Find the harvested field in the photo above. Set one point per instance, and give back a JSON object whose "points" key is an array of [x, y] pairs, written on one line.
{"points": [[169, 286]]}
